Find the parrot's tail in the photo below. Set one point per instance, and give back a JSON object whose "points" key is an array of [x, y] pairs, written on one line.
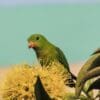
{"points": [[70, 83], [74, 77], [70, 80]]}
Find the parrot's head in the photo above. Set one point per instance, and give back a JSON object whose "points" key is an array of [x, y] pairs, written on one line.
{"points": [[37, 41]]}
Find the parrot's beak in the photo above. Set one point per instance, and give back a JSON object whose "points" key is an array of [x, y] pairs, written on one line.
{"points": [[31, 44]]}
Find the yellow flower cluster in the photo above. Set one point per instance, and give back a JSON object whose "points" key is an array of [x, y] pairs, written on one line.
{"points": [[20, 81]]}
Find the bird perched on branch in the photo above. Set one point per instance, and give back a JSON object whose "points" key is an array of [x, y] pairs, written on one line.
{"points": [[47, 53]]}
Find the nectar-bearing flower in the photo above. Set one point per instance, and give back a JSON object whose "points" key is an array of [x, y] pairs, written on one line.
{"points": [[20, 83]]}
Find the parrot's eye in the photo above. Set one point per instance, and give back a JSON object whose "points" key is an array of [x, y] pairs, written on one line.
{"points": [[37, 38]]}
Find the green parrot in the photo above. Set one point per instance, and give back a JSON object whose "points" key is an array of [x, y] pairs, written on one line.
{"points": [[47, 53], [89, 70]]}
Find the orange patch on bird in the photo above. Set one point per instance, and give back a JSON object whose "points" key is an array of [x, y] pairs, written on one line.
{"points": [[32, 44]]}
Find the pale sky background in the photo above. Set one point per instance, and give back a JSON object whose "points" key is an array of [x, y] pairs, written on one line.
{"points": [[17, 2], [75, 28]]}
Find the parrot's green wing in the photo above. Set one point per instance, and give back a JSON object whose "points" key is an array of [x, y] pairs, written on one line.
{"points": [[62, 59], [92, 63]]}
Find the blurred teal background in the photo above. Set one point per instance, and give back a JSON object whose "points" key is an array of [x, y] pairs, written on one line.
{"points": [[75, 28]]}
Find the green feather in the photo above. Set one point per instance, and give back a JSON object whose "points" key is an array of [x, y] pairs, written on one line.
{"points": [[61, 58], [47, 53]]}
